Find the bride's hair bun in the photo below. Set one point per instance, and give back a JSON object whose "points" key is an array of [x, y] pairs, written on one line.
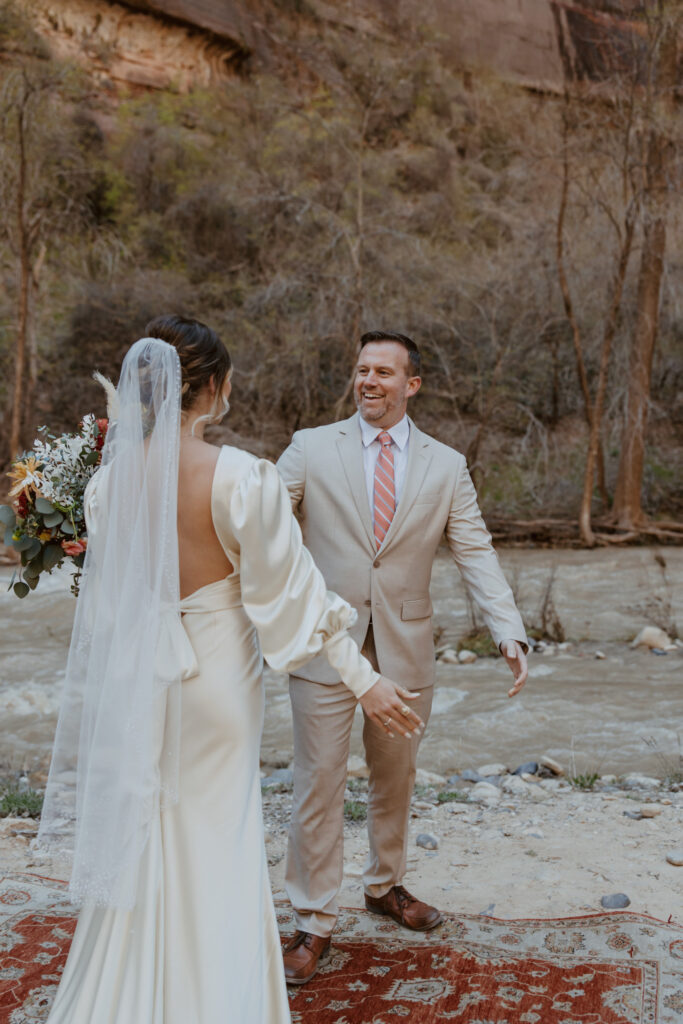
{"points": [[201, 352]]}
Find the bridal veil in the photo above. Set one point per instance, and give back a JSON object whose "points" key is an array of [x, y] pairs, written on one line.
{"points": [[121, 701]]}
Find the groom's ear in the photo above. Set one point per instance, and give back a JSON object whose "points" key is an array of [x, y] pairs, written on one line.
{"points": [[414, 385]]}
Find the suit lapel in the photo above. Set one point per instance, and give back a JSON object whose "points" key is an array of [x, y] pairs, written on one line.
{"points": [[350, 448], [419, 457]]}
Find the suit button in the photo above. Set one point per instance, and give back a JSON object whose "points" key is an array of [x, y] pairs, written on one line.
{"points": [[375, 564], [368, 604]]}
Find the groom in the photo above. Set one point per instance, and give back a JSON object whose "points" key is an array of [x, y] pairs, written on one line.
{"points": [[376, 496]]}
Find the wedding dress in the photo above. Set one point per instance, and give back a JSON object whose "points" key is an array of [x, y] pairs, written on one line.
{"points": [[200, 944]]}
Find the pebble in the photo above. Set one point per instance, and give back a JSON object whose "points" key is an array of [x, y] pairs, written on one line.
{"points": [[467, 657], [634, 780], [617, 901], [600, 655], [449, 656], [281, 779], [484, 793], [425, 778], [427, 841], [553, 766], [528, 768], [492, 769], [675, 858], [513, 784], [423, 805], [466, 776], [650, 810], [357, 768], [533, 833]]}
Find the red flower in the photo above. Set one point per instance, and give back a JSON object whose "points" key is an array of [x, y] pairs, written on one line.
{"points": [[102, 426], [74, 547], [22, 505]]}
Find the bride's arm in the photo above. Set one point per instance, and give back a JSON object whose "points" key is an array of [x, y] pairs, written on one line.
{"points": [[283, 592]]}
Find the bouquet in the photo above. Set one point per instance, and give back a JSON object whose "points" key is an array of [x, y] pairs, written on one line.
{"points": [[46, 522]]}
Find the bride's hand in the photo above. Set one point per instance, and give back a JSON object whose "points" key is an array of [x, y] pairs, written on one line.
{"points": [[385, 704]]}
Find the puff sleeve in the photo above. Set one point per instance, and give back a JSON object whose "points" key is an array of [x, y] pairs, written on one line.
{"points": [[283, 592]]}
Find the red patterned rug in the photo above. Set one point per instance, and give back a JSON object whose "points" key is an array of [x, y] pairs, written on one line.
{"points": [[619, 968]]}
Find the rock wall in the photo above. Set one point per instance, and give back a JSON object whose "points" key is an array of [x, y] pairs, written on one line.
{"points": [[122, 45], [164, 43]]}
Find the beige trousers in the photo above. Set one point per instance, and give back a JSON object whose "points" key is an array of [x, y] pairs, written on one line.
{"points": [[323, 715]]}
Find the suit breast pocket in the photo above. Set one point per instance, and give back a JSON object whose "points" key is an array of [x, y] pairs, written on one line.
{"points": [[416, 608], [427, 498]]}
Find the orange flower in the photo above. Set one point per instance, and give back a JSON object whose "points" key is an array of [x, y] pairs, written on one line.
{"points": [[74, 547], [26, 476], [44, 535]]}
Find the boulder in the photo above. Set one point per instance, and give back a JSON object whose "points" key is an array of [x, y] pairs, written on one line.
{"points": [[484, 793], [467, 657], [654, 637], [553, 766], [491, 769], [515, 785]]}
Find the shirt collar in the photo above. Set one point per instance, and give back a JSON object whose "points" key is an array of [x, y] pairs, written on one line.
{"points": [[399, 432]]}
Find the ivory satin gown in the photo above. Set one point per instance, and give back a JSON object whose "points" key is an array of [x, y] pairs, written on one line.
{"points": [[201, 944]]}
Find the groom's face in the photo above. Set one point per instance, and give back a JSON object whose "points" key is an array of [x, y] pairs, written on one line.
{"points": [[383, 383]]}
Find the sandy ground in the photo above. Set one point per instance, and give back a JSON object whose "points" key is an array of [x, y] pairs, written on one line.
{"points": [[524, 858], [553, 852]]}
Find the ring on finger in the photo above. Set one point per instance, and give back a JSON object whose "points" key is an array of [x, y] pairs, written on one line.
{"points": [[404, 709], [388, 722]]}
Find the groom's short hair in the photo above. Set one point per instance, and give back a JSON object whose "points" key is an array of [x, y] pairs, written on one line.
{"points": [[409, 345]]}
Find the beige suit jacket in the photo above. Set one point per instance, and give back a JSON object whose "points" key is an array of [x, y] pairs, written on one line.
{"points": [[323, 471]]}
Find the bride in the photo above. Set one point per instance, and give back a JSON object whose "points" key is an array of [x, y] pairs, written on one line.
{"points": [[195, 566]]}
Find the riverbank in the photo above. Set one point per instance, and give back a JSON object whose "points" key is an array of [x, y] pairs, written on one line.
{"points": [[549, 850]]}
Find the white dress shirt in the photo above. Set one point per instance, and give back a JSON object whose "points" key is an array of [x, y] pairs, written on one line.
{"points": [[400, 435]]}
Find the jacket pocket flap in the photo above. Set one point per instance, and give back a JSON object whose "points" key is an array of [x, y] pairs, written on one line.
{"points": [[416, 608]]}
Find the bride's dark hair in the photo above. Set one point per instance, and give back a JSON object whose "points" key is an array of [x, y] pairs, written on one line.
{"points": [[201, 352]]}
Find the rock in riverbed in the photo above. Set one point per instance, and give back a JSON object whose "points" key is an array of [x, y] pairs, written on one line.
{"points": [[427, 841], [484, 793], [675, 858], [617, 901]]}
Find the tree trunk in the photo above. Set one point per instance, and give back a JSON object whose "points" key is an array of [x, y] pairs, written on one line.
{"points": [[24, 288], [569, 307], [628, 513], [585, 529]]}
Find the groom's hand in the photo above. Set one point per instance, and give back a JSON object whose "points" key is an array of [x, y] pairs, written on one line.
{"points": [[385, 703], [516, 659]]}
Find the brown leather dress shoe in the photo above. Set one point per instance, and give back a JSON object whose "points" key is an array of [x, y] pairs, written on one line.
{"points": [[405, 909], [302, 956]]}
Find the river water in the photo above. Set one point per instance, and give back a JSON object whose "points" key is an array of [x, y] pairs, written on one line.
{"points": [[617, 714]]}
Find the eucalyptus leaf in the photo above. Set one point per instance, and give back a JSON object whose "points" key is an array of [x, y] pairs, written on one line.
{"points": [[52, 555], [53, 519], [34, 567], [7, 515], [23, 544], [67, 527], [91, 458], [8, 538], [32, 581], [21, 589], [11, 582], [35, 549], [44, 506]]}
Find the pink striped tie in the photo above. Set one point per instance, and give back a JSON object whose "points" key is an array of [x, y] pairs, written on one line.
{"points": [[384, 493]]}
